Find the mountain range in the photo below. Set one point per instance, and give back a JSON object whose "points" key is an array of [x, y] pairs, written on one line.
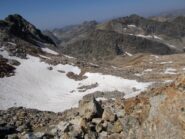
{"points": [[132, 34]]}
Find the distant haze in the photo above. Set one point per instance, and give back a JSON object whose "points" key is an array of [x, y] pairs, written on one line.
{"points": [[47, 14]]}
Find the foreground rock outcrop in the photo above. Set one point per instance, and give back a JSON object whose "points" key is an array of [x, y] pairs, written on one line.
{"points": [[155, 114]]}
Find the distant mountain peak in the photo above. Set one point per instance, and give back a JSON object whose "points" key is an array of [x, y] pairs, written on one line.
{"points": [[18, 26]]}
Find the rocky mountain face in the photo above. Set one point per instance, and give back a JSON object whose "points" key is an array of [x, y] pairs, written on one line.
{"points": [[19, 38], [174, 29], [131, 34], [17, 26], [104, 45], [69, 33]]}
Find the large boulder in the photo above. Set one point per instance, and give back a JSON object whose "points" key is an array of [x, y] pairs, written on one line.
{"points": [[90, 109]]}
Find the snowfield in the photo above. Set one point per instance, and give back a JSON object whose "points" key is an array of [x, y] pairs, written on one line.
{"points": [[35, 86]]}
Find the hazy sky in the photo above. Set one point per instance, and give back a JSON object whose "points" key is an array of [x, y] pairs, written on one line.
{"points": [[57, 13]]}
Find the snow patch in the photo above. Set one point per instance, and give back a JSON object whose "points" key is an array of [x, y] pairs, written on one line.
{"points": [[34, 86], [139, 74], [155, 56], [70, 57], [169, 62], [149, 36], [168, 81], [170, 71], [47, 50], [171, 46], [101, 99], [11, 43], [132, 26], [92, 64], [148, 70], [42, 56], [129, 54]]}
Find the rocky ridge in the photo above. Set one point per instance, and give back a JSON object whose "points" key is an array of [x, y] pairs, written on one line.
{"points": [[16, 26], [131, 34]]}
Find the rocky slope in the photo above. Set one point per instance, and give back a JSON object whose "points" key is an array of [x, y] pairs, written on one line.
{"points": [[19, 38], [156, 113], [103, 45], [17, 26], [131, 34]]}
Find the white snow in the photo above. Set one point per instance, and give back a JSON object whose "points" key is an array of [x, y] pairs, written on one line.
{"points": [[129, 54], [169, 62], [34, 86], [42, 56], [171, 46], [101, 99], [69, 57], [170, 71], [144, 72], [149, 36], [139, 74], [155, 56], [92, 64], [157, 37], [148, 70], [47, 50], [132, 26], [114, 67], [168, 81], [11, 43]]}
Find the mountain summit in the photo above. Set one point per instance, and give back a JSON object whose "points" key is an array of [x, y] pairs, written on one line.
{"points": [[19, 27]]}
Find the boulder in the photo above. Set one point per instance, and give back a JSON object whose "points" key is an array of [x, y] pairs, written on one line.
{"points": [[117, 127], [90, 109], [108, 115], [116, 136]]}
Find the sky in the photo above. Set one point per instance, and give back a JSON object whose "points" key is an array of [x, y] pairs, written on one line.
{"points": [[48, 14]]}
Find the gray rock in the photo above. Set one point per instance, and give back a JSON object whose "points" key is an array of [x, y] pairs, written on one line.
{"points": [[103, 135], [96, 120], [91, 135], [108, 115], [64, 126], [13, 136], [120, 113], [90, 109], [99, 127], [30, 136], [117, 127], [116, 136], [14, 62]]}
